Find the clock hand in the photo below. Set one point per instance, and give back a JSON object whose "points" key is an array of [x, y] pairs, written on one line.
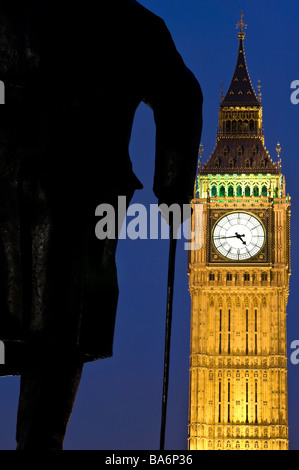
{"points": [[240, 238], [233, 236], [217, 238]]}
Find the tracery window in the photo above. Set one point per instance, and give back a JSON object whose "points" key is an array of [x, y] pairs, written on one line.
{"points": [[222, 191], [264, 191]]}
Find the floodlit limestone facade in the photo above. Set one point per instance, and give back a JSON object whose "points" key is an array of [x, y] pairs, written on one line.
{"points": [[239, 283]]}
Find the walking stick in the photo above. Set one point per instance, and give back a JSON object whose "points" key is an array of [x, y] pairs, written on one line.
{"points": [[170, 284]]}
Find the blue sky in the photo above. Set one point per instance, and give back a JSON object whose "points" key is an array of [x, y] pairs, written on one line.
{"points": [[119, 400]]}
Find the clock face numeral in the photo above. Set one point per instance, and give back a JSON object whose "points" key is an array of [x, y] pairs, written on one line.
{"points": [[238, 236]]}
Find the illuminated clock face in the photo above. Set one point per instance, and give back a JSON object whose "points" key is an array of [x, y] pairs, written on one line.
{"points": [[238, 236]]}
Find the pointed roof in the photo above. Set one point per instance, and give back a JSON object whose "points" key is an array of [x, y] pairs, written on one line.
{"points": [[248, 156], [240, 151], [240, 92]]}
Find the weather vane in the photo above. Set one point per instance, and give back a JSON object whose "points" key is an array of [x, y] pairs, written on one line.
{"points": [[242, 26]]}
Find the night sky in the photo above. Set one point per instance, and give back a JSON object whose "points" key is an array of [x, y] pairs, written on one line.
{"points": [[118, 406]]}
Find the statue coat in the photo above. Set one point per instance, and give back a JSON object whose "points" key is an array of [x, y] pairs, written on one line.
{"points": [[74, 75]]}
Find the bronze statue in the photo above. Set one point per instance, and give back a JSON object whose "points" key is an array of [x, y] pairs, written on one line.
{"points": [[74, 76]]}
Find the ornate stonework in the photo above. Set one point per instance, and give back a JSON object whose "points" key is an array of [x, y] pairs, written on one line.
{"points": [[238, 363]]}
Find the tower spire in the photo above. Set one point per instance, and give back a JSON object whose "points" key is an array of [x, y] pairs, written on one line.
{"points": [[241, 92], [240, 137]]}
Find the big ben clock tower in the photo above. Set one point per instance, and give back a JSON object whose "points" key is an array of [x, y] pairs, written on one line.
{"points": [[239, 283]]}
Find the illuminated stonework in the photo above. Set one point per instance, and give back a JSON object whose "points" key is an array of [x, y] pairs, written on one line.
{"points": [[238, 363]]}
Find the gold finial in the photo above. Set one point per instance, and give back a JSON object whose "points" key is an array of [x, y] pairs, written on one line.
{"points": [[259, 91], [242, 26], [221, 93], [278, 150], [201, 149]]}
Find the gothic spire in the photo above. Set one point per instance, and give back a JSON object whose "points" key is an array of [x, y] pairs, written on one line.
{"points": [[241, 92], [240, 138]]}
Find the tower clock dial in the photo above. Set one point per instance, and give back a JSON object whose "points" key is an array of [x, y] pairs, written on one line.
{"points": [[238, 236]]}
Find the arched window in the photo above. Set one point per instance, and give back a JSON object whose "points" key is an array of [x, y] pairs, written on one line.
{"points": [[225, 151], [222, 191], [240, 127], [247, 163], [256, 191], [214, 191], [247, 191], [263, 163], [217, 163], [264, 191], [234, 127], [231, 163], [239, 152], [254, 151], [245, 127], [228, 126], [239, 191], [230, 191]]}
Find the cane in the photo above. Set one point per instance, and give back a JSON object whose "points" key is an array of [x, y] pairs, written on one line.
{"points": [[170, 284]]}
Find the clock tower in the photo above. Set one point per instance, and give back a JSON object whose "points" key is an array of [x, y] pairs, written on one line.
{"points": [[239, 283]]}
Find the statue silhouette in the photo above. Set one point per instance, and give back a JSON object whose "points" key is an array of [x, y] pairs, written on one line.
{"points": [[74, 76]]}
